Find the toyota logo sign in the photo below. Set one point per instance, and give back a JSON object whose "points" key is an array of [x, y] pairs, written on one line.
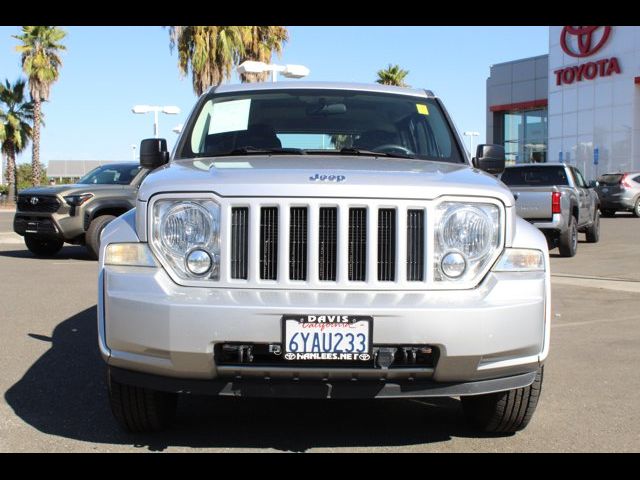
{"points": [[34, 200], [584, 40], [580, 42]]}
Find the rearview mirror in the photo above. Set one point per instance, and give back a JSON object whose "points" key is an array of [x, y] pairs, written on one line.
{"points": [[489, 158], [153, 153]]}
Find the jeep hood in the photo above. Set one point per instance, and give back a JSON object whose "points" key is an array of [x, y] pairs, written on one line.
{"points": [[322, 176]]}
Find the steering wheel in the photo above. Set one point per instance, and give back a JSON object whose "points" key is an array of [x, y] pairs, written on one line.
{"points": [[391, 148]]}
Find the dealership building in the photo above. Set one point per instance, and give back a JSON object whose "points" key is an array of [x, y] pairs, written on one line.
{"points": [[580, 104]]}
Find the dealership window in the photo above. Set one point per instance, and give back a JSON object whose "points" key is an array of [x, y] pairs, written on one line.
{"points": [[524, 135]]}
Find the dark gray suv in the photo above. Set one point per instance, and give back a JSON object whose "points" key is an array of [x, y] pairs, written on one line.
{"points": [[48, 217], [619, 192]]}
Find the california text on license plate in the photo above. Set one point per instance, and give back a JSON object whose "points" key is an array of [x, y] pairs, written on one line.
{"points": [[327, 337]]}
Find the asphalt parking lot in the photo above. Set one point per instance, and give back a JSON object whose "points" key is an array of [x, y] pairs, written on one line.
{"points": [[53, 397]]}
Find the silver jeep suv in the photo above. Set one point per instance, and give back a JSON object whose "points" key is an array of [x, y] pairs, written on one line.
{"points": [[317, 240]]}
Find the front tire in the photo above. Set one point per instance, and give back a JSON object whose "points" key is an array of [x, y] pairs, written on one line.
{"points": [[138, 409], [593, 232], [93, 234], [568, 244], [504, 412], [636, 208], [43, 247]]}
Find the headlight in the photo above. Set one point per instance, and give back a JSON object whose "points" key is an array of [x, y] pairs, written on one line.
{"points": [[467, 238], [187, 235], [77, 200]]}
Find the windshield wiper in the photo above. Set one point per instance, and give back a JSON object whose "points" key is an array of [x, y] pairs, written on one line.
{"points": [[249, 150], [359, 151]]}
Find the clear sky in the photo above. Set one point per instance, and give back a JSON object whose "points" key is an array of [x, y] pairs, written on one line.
{"points": [[107, 70]]}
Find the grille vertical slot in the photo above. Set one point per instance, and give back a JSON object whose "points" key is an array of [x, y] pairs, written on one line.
{"points": [[357, 244], [386, 245], [327, 243], [415, 245], [239, 242], [298, 243], [269, 243]]}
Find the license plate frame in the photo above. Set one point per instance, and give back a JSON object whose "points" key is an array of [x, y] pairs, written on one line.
{"points": [[333, 324]]}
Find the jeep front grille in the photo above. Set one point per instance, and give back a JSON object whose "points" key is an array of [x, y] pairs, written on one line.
{"points": [[326, 245]]}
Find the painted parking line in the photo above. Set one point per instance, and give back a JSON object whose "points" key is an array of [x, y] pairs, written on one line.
{"points": [[619, 285]]}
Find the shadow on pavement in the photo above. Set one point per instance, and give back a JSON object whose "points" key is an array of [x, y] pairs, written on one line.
{"points": [[63, 394], [71, 252]]}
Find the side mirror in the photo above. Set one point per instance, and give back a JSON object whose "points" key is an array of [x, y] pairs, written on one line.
{"points": [[593, 184], [490, 158], [153, 153]]}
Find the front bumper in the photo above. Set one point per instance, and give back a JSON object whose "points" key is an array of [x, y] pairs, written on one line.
{"points": [[59, 225], [147, 323], [320, 389]]}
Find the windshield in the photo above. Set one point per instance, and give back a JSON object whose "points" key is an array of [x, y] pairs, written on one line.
{"points": [[301, 121], [110, 175], [610, 179], [535, 176]]}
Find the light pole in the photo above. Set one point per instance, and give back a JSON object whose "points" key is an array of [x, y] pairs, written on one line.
{"points": [[178, 128], [133, 151], [169, 110], [289, 71], [471, 135]]}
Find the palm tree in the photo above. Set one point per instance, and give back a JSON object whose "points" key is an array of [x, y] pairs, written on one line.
{"points": [[392, 75], [260, 42], [210, 52], [16, 115], [41, 63]]}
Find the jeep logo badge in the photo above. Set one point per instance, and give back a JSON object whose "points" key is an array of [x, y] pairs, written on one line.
{"points": [[327, 178], [34, 200]]}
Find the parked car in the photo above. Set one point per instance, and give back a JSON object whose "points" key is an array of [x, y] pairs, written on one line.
{"points": [[555, 198], [48, 217], [323, 240], [619, 192]]}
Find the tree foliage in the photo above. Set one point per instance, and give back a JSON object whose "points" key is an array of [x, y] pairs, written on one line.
{"points": [[41, 62], [392, 75], [210, 53], [16, 116]]}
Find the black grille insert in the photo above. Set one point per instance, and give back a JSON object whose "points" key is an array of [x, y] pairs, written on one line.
{"points": [[298, 243], [357, 244], [269, 243], [415, 245], [327, 243], [239, 242], [386, 245], [38, 203]]}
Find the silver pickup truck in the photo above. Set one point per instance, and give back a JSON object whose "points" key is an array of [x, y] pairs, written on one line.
{"points": [[555, 198], [323, 240]]}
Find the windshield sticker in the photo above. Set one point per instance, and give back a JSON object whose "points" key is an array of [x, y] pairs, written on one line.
{"points": [[422, 109], [230, 116]]}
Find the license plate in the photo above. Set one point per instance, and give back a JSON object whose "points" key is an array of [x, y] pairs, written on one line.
{"points": [[327, 337]]}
